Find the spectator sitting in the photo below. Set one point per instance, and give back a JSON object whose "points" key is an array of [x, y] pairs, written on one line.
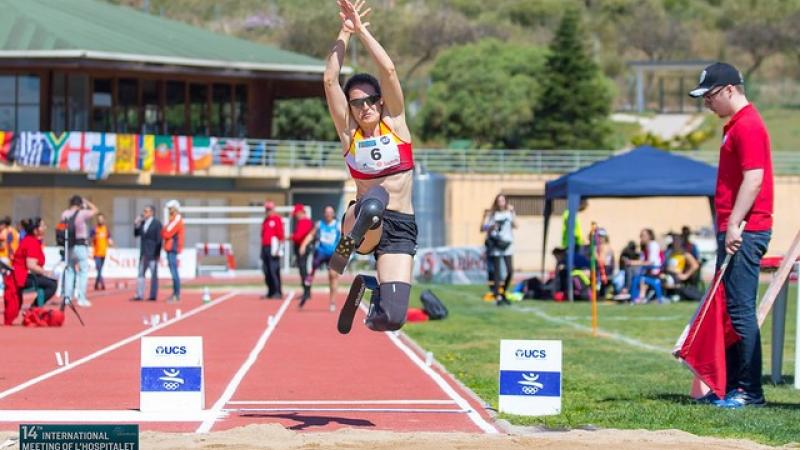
{"points": [[649, 268], [680, 266], [624, 277], [28, 264], [686, 234]]}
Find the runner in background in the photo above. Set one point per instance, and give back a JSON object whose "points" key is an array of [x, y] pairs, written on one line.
{"points": [[302, 240], [326, 233]]}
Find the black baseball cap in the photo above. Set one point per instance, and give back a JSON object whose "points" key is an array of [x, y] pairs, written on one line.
{"points": [[717, 74]]}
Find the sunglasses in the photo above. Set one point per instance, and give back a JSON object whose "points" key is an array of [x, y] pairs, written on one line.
{"points": [[709, 95], [370, 101]]}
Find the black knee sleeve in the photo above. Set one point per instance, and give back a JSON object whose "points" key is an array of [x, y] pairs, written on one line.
{"points": [[388, 309], [369, 211]]}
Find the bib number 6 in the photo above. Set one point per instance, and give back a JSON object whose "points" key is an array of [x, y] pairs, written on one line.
{"points": [[375, 154]]}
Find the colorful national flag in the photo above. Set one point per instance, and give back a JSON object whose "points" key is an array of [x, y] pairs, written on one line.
{"points": [[164, 161], [703, 344], [7, 147], [57, 142], [183, 154], [232, 152], [125, 161], [100, 161], [33, 149], [145, 152], [202, 152], [74, 153]]}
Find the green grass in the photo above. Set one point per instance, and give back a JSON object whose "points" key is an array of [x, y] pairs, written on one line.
{"points": [[782, 125], [606, 383]]}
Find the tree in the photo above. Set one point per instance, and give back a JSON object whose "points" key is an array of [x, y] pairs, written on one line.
{"points": [[573, 114], [484, 92], [303, 119]]}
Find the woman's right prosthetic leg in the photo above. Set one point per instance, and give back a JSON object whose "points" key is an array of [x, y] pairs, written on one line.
{"points": [[369, 212]]}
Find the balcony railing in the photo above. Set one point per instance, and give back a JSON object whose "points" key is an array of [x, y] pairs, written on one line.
{"points": [[315, 154]]}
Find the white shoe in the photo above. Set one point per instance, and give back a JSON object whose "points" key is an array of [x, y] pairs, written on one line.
{"points": [[332, 307], [84, 303]]}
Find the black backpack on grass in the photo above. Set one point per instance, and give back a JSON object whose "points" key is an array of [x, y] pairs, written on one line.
{"points": [[433, 307]]}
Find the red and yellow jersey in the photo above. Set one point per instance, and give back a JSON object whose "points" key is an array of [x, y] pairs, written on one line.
{"points": [[378, 156], [100, 238]]}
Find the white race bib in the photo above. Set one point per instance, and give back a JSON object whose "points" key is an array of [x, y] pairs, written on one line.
{"points": [[374, 155]]}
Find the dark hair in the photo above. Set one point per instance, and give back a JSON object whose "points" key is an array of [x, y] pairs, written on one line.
{"points": [[6, 221], [650, 234], [76, 200], [361, 78], [31, 224]]}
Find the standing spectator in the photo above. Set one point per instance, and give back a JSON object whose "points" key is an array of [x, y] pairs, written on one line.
{"points": [[327, 233], [28, 264], [271, 239], [498, 225], [579, 240], [101, 240], [80, 211], [302, 238], [148, 229], [9, 240], [488, 249], [744, 193], [605, 258], [173, 235]]}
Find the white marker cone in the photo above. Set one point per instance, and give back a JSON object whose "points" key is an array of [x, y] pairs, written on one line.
{"points": [[206, 295], [59, 361]]}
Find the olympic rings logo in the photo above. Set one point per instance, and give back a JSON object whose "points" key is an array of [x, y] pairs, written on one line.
{"points": [[171, 386], [530, 390]]}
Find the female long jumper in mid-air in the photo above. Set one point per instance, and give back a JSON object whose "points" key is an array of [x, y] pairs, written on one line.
{"points": [[370, 120]]}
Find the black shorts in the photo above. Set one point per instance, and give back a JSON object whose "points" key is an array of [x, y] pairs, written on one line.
{"points": [[399, 234]]}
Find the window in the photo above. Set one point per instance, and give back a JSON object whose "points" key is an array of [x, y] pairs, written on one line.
{"points": [[68, 102], [240, 109], [151, 103], [198, 109], [221, 110], [127, 109], [19, 102], [175, 108], [102, 103]]}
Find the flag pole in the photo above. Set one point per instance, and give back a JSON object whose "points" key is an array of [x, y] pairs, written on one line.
{"points": [[593, 266]]}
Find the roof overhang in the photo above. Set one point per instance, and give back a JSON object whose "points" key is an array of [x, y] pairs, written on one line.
{"points": [[165, 60]]}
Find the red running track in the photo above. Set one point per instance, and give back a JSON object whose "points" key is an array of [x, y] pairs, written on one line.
{"points": [[295, 370]]}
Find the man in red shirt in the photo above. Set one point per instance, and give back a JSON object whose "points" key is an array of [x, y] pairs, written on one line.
{"points": [[744, 193], [303, 228], [271, 241]]}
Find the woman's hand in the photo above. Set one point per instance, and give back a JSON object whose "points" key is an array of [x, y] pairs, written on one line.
{"points": [[352, 15]]}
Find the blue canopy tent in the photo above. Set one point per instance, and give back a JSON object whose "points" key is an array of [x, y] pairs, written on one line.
{"points": [[641, 172]]}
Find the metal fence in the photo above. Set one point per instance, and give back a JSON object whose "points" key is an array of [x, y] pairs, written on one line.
{"points": [[315, 154]]}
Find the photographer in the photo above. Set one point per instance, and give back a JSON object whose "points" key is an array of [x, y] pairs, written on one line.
{"points": [[80, 212], [498, 224]]}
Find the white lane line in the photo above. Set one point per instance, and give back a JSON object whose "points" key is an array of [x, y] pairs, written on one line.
{"points": [[443, 385], [342, 402], [114, 346], [617, 337], [218, 407], [371, 410], [93, 416]]}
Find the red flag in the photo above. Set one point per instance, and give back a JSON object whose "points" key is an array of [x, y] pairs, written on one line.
{"points": [[6, 146], [707, 337]]}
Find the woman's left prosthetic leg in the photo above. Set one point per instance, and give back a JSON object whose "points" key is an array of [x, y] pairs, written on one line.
{"points": [[389, 301]]}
